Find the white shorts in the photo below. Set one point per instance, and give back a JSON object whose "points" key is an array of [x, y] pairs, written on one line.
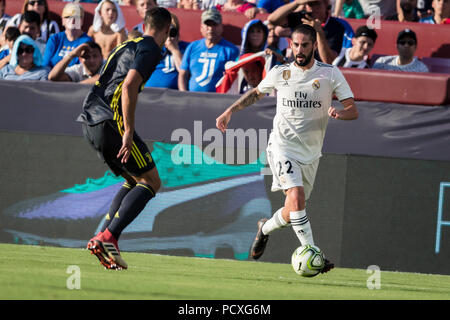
{"points": [[288, 173]]}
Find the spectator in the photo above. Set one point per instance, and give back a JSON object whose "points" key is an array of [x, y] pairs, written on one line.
{"points": [[166, 72], [441, 10], [3, 17], [330, 36], [25, 63], [425, 8], [204, 60], [142, 6], [48, 27], [405, 60], [276, 46], [87, 71], [241, 6], [253, 74], [61, 44], [406, 11], [348, 9], [348, 30], [29, 24], [254, 37], [189, 4], [243, 75], [348, 33], [358, 55], [386, 8], [11, 34], [108, 28]]}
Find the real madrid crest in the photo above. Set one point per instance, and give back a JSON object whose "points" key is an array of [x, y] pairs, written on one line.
{"points": [[316, 84]]}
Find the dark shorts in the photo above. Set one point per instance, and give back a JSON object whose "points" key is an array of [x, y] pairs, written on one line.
{"points": [[107, 141]]}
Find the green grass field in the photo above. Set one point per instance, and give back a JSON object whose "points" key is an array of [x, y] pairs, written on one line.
{"points": [[37, 272]]}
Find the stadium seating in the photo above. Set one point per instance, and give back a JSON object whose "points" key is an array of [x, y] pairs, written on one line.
{"points": [[433, 48], [434, 41], [399, 87], [438, 65]]}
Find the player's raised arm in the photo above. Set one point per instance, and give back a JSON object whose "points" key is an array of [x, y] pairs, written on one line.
{"points": [[247, 99], [350, 112]]}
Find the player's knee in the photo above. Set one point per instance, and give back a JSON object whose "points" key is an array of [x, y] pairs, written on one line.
{"points": [[152, 179], [155, 183], [129, 179]]}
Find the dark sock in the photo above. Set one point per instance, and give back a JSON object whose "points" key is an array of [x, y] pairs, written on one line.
{"points": [[115, 204], [132, 204]]}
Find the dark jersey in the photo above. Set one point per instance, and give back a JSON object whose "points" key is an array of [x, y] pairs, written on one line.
{"points": [[103, 102]]}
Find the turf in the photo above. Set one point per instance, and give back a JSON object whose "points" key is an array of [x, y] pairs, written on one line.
{"points": [[39, 272]]}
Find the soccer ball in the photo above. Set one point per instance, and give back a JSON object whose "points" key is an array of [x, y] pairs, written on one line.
{"points": [[308, 260]]}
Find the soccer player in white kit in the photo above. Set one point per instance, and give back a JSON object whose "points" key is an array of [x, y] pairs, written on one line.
{"points": [[305, 88]]}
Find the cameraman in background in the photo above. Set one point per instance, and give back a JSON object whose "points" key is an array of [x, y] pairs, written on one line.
{"points": [[166, 72], [316, 13]]}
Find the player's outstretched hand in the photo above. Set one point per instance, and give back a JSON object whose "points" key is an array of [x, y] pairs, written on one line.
{"points": [[222, 121]]}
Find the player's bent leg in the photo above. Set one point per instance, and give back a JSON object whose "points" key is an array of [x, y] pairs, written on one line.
{"points": [[132, 205], [128, 185], [296, 213], [265, 228], [260, 242], [95, 245]]}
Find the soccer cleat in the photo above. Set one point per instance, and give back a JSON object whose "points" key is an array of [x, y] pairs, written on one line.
{"points": [[111, 250], [259, 244], [327, 266], [115, 259], [96, 248]]}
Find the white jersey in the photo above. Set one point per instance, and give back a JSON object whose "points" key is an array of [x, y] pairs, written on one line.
{"points": [[303, 100]]}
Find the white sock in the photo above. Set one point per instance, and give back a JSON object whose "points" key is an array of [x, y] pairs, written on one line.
{"points": [[302, 227], [274, 223]]}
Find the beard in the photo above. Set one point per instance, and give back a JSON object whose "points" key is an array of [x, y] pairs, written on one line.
{"points": [[306, 59]]}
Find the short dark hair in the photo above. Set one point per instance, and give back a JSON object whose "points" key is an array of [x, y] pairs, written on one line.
{"points": [[30, 17], [94, 45], [307, 30], [365, 31], [158, 18], [12, 33]]}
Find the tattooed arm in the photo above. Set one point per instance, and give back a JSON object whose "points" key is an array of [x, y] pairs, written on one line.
{"points": [[247, 99]]}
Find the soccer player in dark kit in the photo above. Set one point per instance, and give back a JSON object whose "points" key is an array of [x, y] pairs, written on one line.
{"points": [[108, 123]]}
